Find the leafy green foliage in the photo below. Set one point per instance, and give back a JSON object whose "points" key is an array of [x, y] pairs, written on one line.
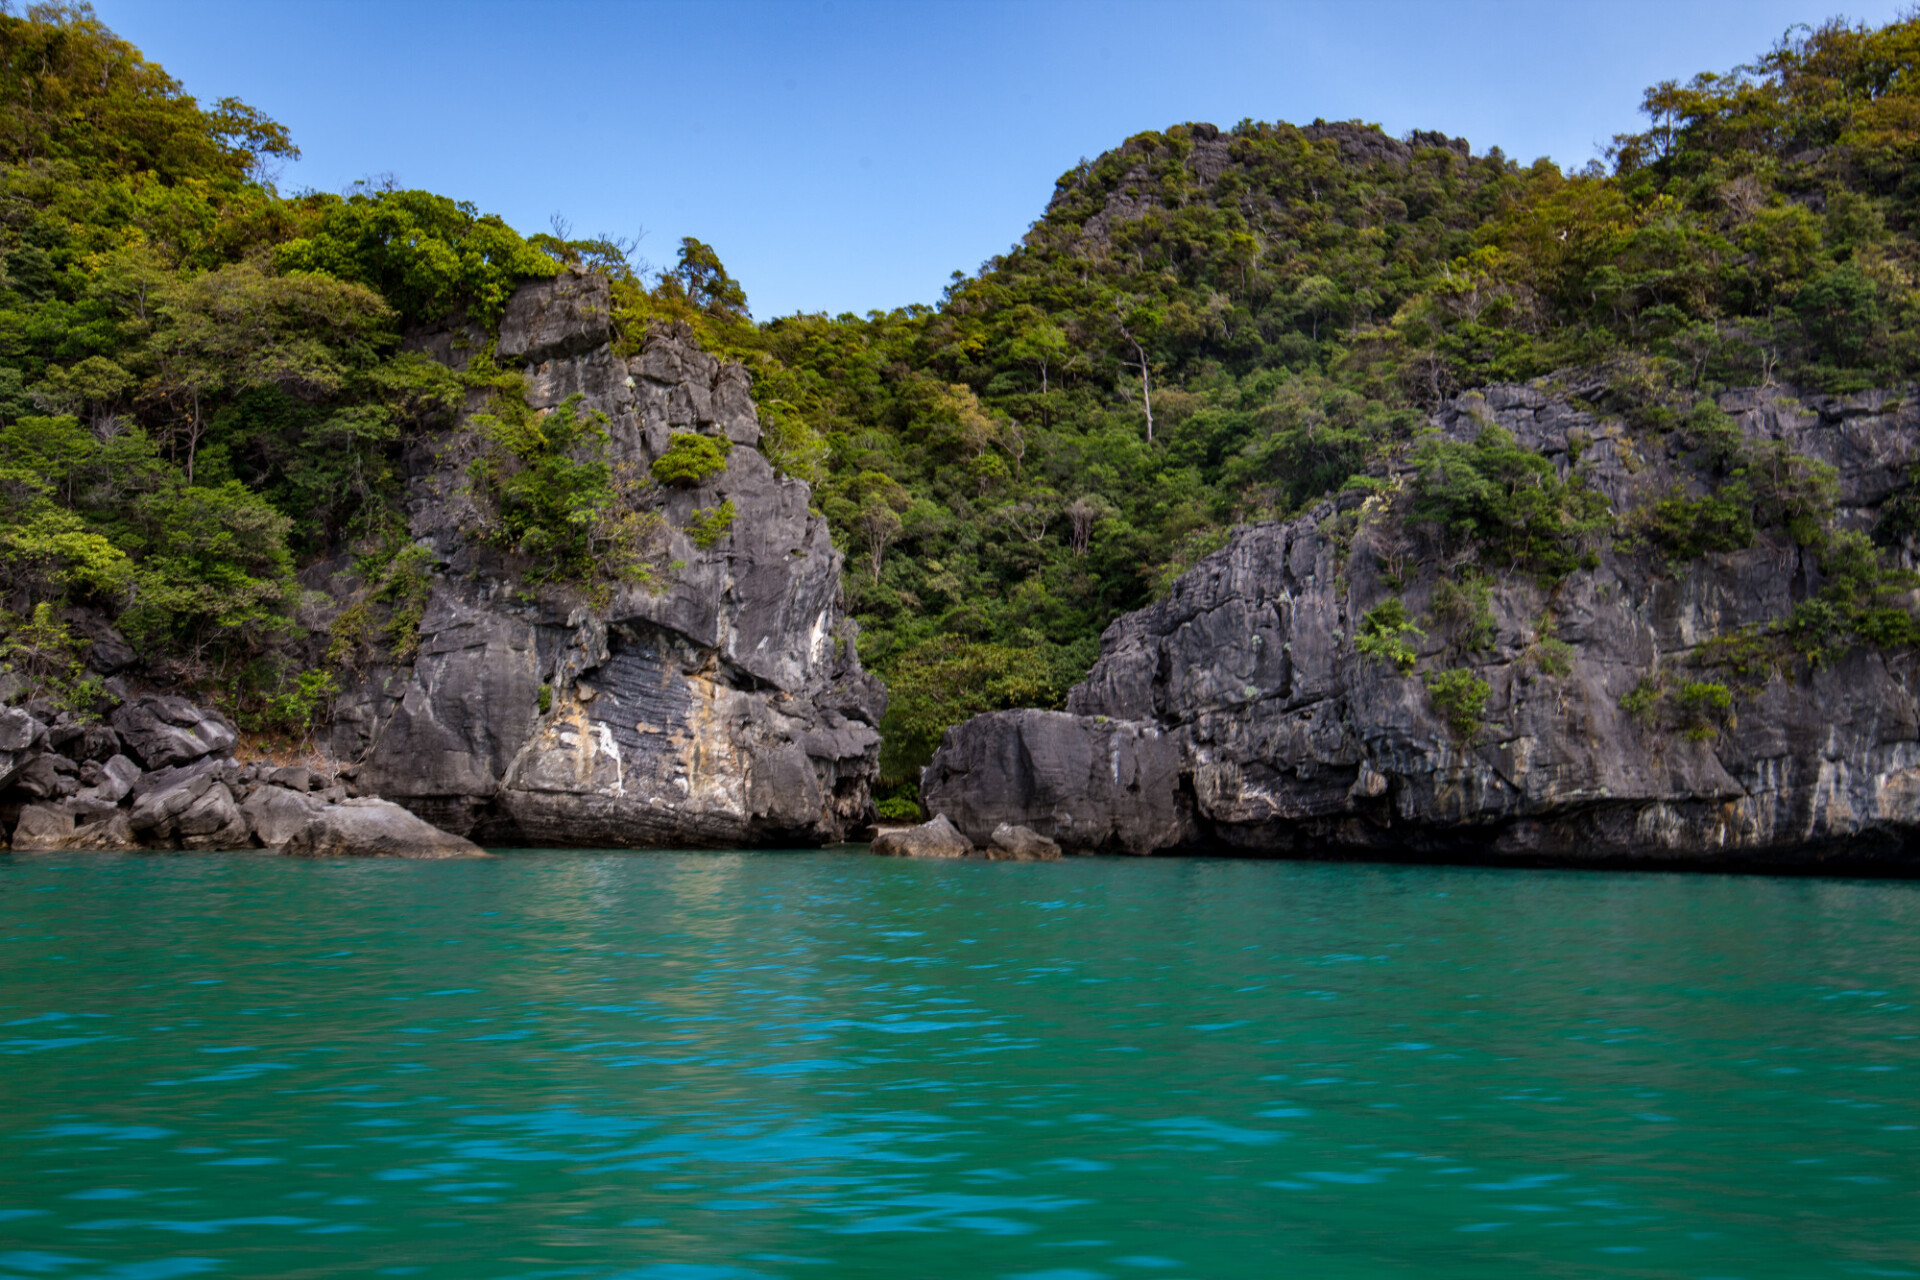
{"points": [[1386, 633], [385, 622], [897, 809], [298, 706], [1506, 500], [1642, 702], [427, 255], [1701, 707], [41, 661], [1684, 528], [710, 524], [944, 681], [1864, 601], [213, 577], [1460, 697], [691, 459], [557, 503], [71, 91], [1464, 606]]}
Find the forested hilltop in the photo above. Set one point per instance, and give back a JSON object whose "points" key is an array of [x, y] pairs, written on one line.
{"points": [[206, 384]]}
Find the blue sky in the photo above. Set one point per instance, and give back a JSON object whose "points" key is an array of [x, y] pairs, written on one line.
{"points": [[847, 156]]}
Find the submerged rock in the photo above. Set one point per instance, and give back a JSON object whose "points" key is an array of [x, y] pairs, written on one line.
{"points": [[370, 828], [1236, 715]]}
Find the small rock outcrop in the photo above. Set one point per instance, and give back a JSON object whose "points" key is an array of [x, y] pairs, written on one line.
{"points": [[1237, 715], [936, 839], [1021, 844], [370, 828], [721, 704]]}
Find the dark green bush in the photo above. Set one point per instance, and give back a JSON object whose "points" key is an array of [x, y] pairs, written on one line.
{"points": [[1460, 697], [691, 459], [1507, 501]]}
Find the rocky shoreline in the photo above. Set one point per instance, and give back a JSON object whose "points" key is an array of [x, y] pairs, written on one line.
{"points": [[723, 704], [159, 773]]}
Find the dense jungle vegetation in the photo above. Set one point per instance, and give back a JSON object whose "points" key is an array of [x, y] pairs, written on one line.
{"points": [[202, 385]]}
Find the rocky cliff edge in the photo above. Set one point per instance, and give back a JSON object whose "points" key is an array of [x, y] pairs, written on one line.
{"points": [[1237, 716], [719, 704]]}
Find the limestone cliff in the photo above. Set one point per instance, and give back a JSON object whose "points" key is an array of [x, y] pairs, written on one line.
{"points": [[720, 704], [1237, 716]]}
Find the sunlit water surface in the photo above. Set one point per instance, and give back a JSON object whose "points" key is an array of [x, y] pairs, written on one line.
{"points": [[718, 1066]]}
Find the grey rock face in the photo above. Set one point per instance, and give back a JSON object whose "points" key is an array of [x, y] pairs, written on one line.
{"points": [[21, 737], [47, 775], [162, 731], [936, 839], [1092, 784], [53, 803], [111, 833], [369, 828], [1235, 715], [115, 782], [85, 742], [569, 315], [722, 706]]}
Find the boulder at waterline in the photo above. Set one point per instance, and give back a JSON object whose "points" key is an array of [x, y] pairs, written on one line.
{"points": [[370, 828], [1020, 844], [936, 839]]}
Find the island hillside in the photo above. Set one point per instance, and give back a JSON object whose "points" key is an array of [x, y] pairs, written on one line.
{"points": [[1489, 506]]}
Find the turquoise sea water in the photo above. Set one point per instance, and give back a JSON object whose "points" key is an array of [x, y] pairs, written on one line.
{"points": [[717, 1066]]}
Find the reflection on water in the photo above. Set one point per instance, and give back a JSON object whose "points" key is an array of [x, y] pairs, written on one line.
{"points": [[709, 1066]]}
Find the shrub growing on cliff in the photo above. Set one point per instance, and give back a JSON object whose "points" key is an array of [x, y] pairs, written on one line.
{"points": [[213, 581], [691, 460], [1683, 528], [1465, 608], [1642, 702], [1460, 697], [40, 658], [557, 501], [1864, 601], [1506, 500], [1386, 633], [1700, 708], [710, 524], [425, 253]]}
